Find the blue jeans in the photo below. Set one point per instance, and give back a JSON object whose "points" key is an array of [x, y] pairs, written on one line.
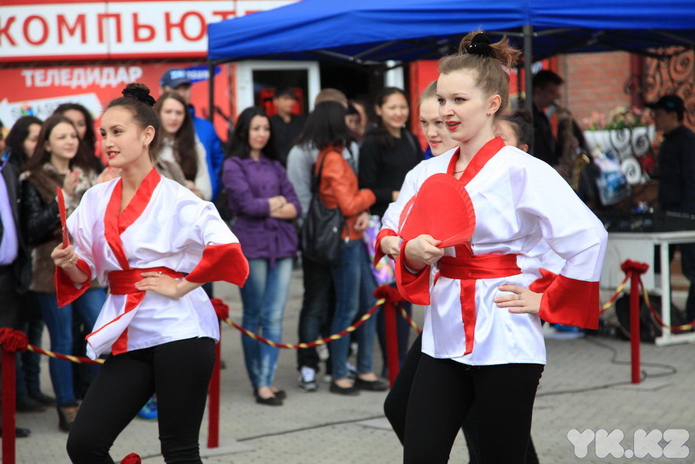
{"points": [[59, 324], [354, 286], [264, 297]]}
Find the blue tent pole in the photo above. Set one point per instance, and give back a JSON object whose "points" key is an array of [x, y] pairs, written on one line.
{"points": [[528, 66], [211, 91]]}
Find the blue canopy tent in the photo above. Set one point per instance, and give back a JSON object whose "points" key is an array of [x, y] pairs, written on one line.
{"points": [[371, 32]]}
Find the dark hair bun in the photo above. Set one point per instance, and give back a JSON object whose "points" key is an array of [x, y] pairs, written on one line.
{"points": [[139, 92], [480, 45]]}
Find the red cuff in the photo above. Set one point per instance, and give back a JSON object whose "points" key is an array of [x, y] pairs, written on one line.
{"points": [[413, 287], [542, 284], [66, 289], [378, 254], [221, 262], [571, 302]]}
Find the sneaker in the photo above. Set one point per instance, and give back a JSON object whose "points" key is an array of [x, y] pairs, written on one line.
{"points": [[323, 353], [352, 370], [149, 411], [307, 379]]}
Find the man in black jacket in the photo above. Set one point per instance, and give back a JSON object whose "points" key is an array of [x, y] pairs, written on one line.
{"points": [[15, 264], [546, 93], [676, 169]]}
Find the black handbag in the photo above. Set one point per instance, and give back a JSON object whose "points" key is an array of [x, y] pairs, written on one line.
{"points": [[319, 236]]}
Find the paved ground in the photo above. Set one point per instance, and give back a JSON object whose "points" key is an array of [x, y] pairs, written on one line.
{"points": [[585, 387]]}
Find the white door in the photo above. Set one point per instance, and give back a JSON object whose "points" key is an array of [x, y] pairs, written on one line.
{"points": [[256, 82]]}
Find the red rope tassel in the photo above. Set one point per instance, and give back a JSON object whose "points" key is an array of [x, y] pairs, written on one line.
{"points": [[11, 341]]}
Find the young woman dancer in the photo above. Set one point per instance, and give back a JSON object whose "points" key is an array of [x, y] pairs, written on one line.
{"points": [[514, 130], [142, 234], [482, 342], [265, 204], [431, 123], [439, 142]]}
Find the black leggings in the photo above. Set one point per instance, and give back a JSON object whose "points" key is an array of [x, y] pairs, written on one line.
{"points": [[178, 372], [396, 403], [445, 391]]}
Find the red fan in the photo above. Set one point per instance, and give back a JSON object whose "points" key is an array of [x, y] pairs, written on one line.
{"points": [[63, 215], [442, 209]]}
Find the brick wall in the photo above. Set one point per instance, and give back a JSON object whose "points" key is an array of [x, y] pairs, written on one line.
{"points": [[594, 82]]}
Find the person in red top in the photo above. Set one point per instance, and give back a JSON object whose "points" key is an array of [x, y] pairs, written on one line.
{"points": [[352, 276]]}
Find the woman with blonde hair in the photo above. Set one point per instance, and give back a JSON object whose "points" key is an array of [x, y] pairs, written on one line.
{"points": [[482, 341]]}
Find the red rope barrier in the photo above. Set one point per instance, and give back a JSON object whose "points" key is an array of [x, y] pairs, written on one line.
{"points": [[286, 346], [64, 357], [657, 318], [618, 292], [408, 319]]}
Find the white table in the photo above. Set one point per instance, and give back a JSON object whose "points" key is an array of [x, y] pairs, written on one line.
{"points": [[639, 246]]}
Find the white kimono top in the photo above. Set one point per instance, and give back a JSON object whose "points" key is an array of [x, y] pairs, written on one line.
{"points": [[521, 207], [165, 227]]}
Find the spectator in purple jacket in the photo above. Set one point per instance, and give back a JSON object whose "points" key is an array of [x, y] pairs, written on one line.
{"points": [[264, 202]]}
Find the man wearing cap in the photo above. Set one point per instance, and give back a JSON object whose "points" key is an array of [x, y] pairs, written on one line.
{"points": [[286, 125], [676, 169], [176, 80]]}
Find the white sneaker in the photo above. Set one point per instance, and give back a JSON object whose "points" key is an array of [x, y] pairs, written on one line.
{"points": [[307, 379], [352, 370]]}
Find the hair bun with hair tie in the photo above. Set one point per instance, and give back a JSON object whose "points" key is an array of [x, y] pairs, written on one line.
{"points": [[480, 45], [140, 95]]}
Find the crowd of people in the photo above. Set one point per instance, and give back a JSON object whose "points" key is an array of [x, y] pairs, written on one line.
{"points": [[135, 281]]}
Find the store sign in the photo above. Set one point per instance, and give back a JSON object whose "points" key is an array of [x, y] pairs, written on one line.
{"points": [[40, 30], [37, 91]]}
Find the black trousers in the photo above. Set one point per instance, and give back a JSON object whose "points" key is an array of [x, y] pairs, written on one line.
{"points": [[10, 300], [178, 372], [319, 299], [445, 391], [396, 406]]}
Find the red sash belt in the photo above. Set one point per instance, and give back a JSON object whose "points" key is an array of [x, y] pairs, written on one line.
{"points": [[123, 282], [479, 267], [114, 333], [468, 270]]}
